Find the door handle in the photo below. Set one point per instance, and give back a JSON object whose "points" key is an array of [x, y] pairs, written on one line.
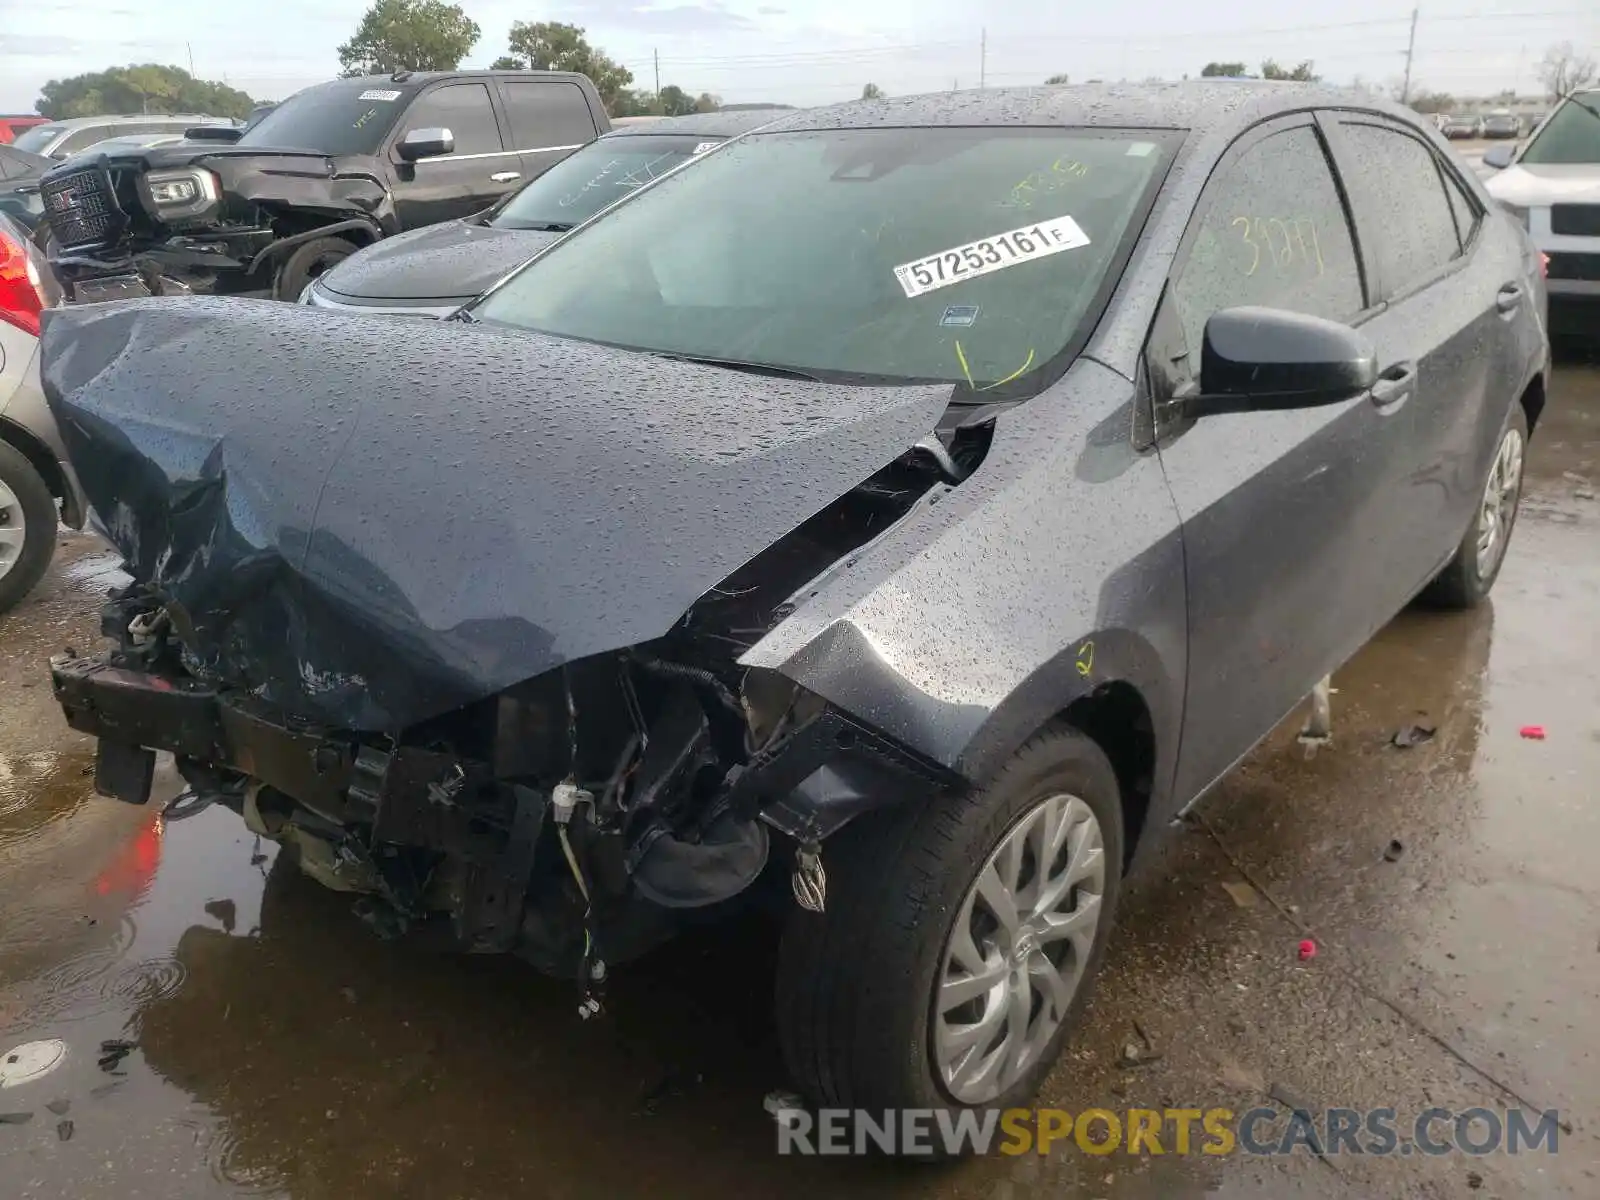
{"points": [[1395, 385], [28, 189], [505, 176], [1508, 298]]}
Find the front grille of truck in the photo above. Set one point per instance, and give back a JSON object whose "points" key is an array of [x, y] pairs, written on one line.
{"points": [[82, 208], [1585, 267], [1576, 220]]}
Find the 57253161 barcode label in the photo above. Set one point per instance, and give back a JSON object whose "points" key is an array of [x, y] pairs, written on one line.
{"points": [[994, 253]]}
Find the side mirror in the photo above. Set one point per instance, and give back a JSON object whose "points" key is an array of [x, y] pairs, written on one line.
{"points": [[1261, 359], [1499, 157], [426, 143]]}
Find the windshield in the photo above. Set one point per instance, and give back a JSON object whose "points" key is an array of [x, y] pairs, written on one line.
{"points": [[331, 119], [949, 254], [1571, 135], [37, 138], [587, 180]]}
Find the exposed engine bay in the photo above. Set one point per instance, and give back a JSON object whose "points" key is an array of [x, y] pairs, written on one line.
{"points": [[572, 818]]}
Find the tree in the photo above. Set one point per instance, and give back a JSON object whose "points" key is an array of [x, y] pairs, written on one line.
{"points": [[674, 101], [872, 92], [1222, 70], [706, 102], [1563, 71], [633, 102], [1424, 101], [424, 35], [1056, 80], [506, 63], [1302, 73], [552, 46], [147, 87]]}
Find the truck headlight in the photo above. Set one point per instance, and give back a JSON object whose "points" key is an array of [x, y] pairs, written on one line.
{"points": [[175, 191], [176, 195]]}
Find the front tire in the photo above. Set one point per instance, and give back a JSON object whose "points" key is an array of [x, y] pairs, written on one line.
{"points": [[916, 988], [28, 521], [1468, 576], [309, 261]]}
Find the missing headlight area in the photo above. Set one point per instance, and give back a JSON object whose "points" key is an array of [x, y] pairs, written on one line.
{"points": [[570, 818]]}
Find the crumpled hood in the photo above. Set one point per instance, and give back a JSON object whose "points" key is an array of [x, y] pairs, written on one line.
{"points": [[454, 261], [1539, 184], [369, 530]]}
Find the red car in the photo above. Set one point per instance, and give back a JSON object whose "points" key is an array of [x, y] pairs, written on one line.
{"points": [[11, 126]]}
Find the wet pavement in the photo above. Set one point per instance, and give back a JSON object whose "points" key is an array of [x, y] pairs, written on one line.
{"points": [[280, 1050]]}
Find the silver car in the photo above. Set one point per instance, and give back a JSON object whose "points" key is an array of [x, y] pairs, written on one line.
{"points": [[63, 139], [37, 486]]}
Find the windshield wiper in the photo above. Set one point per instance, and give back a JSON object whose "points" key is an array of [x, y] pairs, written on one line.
{"points": [[541, 226], [749, 368]]}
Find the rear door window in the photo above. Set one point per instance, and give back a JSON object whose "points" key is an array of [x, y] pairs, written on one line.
{"points": [[1272, 232], [1400, 202], [81, 138], [547, 115], [462, 108]]}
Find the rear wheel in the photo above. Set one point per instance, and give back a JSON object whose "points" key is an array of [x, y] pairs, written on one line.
{"points": [[308, 261], [1467, 578], [959, 938], [27, 526]]}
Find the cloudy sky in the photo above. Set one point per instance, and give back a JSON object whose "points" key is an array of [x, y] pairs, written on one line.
{"points": [[814, 51]]}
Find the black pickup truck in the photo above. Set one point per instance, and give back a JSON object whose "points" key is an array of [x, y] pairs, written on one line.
{"points": [[331, 169]]}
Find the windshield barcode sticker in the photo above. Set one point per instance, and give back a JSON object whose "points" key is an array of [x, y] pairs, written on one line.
{"points": [[378, 94], [989, 254]]}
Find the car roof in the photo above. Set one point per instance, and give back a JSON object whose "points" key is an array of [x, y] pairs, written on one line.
{"points": [[141, 118], [711, 124], [1203, 106], [419, 79]]}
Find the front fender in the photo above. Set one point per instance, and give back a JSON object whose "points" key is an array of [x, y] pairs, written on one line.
{"points": [[958, 632]]}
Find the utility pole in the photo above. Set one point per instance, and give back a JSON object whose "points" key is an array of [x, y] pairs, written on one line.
{"points": [[190, 49], [1411, 50], [656, 54], [983, 56]]}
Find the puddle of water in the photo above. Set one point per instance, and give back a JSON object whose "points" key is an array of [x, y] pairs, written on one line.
{"points": [[96, 573]]}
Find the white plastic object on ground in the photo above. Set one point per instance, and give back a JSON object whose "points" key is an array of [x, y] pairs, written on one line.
{"points": [[31, 1060]]}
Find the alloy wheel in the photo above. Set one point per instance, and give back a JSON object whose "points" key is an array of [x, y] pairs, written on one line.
{"points": [[13, 529], [1499, 508], [1019, 949]]}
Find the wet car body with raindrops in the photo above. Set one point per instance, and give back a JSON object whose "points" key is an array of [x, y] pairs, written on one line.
{"points": [[930, 602]]}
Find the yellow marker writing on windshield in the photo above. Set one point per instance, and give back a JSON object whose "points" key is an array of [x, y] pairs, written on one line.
{"points": [[1028, 362], [965, 370], [961, 357]]}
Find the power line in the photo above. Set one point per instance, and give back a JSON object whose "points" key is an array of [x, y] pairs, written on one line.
{"points": [[1411, 50]]}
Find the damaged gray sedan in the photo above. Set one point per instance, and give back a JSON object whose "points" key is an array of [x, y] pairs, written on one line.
{"points": [[913, 507]]}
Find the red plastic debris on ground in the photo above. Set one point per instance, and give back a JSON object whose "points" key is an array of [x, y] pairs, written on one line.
{"points": [[1308, 949], [1533, 732]]}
